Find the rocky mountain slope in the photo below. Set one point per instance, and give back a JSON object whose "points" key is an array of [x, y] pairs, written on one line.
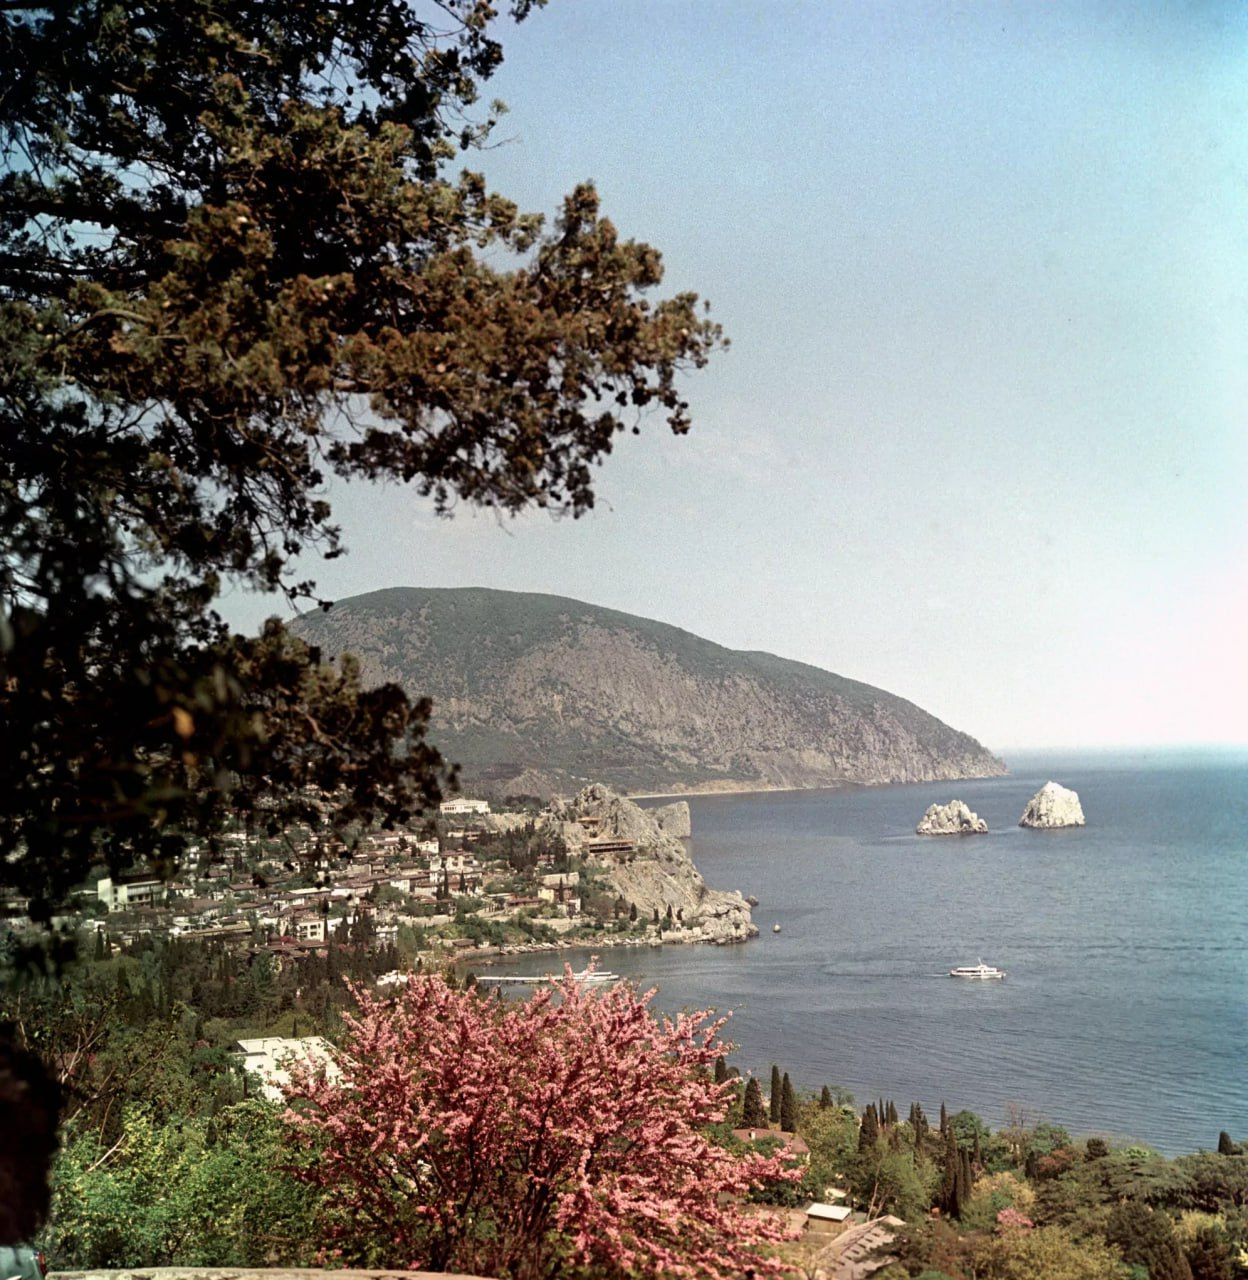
{"points": [[641, 856], [538, 693]]}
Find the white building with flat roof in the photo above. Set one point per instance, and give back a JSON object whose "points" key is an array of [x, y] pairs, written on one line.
{"points": [[462, 806], [129, 891], [269, 1060]]}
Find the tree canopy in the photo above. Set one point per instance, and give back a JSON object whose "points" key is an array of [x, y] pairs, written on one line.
{"points": [[567, 1133], [235, 262]]}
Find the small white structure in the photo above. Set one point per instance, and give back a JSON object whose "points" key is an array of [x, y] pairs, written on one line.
{"points": [[462, 806], [816, 1211], [269, 1059]]}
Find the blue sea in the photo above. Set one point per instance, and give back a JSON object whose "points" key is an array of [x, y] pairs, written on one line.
{"points": [[1126, 942]]}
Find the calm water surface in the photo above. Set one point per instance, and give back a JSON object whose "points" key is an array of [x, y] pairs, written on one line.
{"points": [[1126, 941]]}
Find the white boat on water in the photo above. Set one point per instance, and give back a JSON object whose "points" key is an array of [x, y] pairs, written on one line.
{"points": [[582, 978], [980, 970], [591, 977]]}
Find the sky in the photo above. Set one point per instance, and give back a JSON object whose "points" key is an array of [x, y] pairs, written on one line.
{"points": [[981, 435]]}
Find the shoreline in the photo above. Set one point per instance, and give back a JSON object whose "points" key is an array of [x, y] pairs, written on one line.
{"points": [[731, 791], [736, 789]]}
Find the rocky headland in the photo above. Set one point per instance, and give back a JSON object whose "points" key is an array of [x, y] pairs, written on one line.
{"points": [[952, 819], [1051, 807], [641, 858]]}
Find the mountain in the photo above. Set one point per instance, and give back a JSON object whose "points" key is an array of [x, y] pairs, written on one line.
{"points": [[536, 693]]}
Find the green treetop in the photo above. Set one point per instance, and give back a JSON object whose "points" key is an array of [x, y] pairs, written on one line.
{"points": [[788, 1106], [755, 1114]]}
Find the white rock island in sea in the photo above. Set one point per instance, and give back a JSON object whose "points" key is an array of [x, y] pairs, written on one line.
{"points": [[1053, 806], [952, 819]]}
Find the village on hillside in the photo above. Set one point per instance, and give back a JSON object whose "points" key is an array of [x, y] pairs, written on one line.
{"points": [[462, 883]]}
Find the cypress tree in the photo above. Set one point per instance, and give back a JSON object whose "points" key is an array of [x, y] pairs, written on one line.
{"points": [[967, 1177], [825, 1098], [892, 1112], [944, 1119], [754, 1115], [773, 1108], [1225, 1146], [721, 1070], [869, 1131], [949, 1173], [788, 1106]]}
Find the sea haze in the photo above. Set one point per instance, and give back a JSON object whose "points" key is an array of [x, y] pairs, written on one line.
{"points": [[1125, 1011]]}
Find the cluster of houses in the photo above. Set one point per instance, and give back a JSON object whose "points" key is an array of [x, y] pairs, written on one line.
{"points": [[390, 879]]}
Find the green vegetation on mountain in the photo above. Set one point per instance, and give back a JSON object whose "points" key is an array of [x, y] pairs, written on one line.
{"points": [[534, 692]]}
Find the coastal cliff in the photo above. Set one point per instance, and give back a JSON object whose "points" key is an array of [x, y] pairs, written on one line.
{"points": [[536, 694], [642, 861]]}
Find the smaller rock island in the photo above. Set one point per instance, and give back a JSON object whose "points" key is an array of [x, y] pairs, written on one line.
{"points": [[1051, 807], [952, 819]]}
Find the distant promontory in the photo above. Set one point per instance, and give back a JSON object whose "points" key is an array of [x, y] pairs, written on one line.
{"points": [[539, 694]]}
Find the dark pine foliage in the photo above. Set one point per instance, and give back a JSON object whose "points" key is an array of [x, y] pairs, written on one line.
{"points": [[235, 261]]}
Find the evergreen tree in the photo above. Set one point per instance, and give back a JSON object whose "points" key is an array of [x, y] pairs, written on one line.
{"points": [[788, 1106], [1225, 1146], [1147, 1239], [825, 1098], [773, 1102], [966, 1179], [721, 1070], [892, 1112], [949, 1173], [1209, 1255], [944, 1120], [755, 1114], [869, 1130]]}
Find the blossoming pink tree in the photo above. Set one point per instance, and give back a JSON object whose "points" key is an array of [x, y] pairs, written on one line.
{"points": [[531, 1138]]}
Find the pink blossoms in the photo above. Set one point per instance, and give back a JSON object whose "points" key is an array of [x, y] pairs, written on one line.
{"points": [[530, 1139]]}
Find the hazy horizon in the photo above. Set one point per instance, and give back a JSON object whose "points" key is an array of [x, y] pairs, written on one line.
{"points": [[981, 438]]}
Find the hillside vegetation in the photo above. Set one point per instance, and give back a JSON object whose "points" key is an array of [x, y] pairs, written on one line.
{"points": [[539, 693]]}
